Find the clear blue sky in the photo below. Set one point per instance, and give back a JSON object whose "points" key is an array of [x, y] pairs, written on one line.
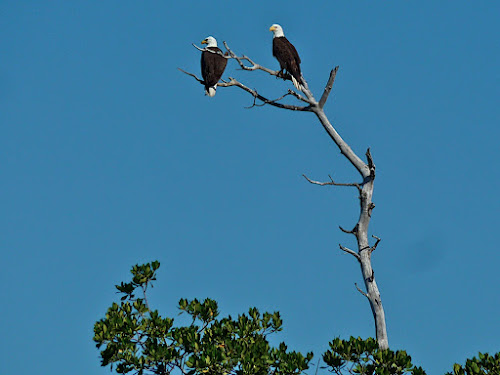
{"points": [[109, 156]]}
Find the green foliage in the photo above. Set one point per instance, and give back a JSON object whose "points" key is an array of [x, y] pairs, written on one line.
{"points": [[484, 365], [358, 356], [136, 339]]}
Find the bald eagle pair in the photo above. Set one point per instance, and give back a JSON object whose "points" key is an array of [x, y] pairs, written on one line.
{"points": [[214, 63]]}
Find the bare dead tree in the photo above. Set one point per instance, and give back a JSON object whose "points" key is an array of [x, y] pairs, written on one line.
{"points": [[365, 169]]}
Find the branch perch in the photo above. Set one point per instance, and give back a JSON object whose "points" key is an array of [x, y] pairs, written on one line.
{"points": [[255, 94]]}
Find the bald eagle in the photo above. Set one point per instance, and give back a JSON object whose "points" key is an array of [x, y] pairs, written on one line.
{"points": [[212, 65], [287, 55]]}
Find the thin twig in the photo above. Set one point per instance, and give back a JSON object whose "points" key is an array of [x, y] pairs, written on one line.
{"points": [[353, 231], [359, 290], [300, 97], [349, 251], [234, 82], [263, 104], [192, 75], [211, 51], [317, 367], [376, 243], [254, 66], [255, 104], [331, 182], [328, 87]]}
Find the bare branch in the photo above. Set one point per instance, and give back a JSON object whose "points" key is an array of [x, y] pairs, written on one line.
{"points": [[300, 97], [359, 290], [255, 104], [328, 87], [307, 92], [255, 94], [254, 66], [349, 251], [211, 51], [353, 231], [317, 367], [376, 243], [263, 104], [345, 150], [192, 75], [331, 182]]}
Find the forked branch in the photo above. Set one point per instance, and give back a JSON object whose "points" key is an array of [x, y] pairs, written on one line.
{"points": [[254, 65]]}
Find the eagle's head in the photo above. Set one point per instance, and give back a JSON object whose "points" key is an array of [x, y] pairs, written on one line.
{"points": [[277, 30], [210, 41]]}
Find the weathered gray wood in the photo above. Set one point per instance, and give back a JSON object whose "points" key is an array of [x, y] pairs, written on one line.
{"points": [[365, 188], [367, 172]]}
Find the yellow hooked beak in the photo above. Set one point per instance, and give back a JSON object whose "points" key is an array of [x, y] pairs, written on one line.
{"points": [[272, 28], [204, 41]]}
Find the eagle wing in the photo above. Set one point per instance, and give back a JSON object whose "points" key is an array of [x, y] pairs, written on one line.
{"points": [[287, 56], [294, 52], [212, 66]]}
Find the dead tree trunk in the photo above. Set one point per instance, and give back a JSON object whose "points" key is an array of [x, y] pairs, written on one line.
{"points": [[365, 187]]}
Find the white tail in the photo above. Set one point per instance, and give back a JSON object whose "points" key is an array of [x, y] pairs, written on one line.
{"points": [[297, 85], [211, 91]]}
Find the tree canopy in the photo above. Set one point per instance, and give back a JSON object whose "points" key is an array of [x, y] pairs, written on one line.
{"points": [[135, 338]]}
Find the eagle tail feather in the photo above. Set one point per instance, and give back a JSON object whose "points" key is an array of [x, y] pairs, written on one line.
{"points": [[296, 83], [210, 91]]}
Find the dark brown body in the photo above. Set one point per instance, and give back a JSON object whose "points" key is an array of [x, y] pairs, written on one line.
{"points": [[287, 56], [212, 67]]}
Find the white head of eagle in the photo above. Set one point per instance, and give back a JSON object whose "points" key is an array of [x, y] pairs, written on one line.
{"points": [[287, 55], [210, 41], [212, 65], [277, 30]]}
